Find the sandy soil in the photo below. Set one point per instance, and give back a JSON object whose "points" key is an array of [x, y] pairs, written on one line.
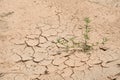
{"points": [[29, 29]]}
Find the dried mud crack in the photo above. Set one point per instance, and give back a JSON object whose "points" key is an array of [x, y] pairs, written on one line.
{"points": [[37, 37]]}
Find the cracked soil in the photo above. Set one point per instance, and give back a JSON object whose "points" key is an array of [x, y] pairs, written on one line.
{"points": [[29, 30]]}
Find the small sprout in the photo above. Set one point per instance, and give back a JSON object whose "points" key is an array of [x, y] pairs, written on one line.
{"points": [[87, 20], [104, 40], [70, 44], [62, 41], [86, 48], [85, 45], [87, 30], [97, 43], [86, 36], [72, 39]]}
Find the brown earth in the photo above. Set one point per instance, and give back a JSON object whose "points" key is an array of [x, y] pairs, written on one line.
{"points": [[29, 29]]}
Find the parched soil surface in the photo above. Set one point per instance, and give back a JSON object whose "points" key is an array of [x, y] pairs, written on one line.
{"points": [[29, 30]]}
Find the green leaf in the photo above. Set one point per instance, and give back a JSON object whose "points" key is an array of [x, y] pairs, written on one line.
{"points": [[87, 20], [86, 36]]}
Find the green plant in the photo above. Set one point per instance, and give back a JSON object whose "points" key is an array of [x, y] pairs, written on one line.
{"points": [[67, 43], [86, 47], [63, 43], [71, 43], [104, 40]]}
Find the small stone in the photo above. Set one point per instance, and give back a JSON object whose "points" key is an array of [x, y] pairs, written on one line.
{"points": [[103, 48]]}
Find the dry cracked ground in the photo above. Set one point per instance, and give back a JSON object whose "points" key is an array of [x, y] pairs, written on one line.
{"points": [[29, 30]]}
